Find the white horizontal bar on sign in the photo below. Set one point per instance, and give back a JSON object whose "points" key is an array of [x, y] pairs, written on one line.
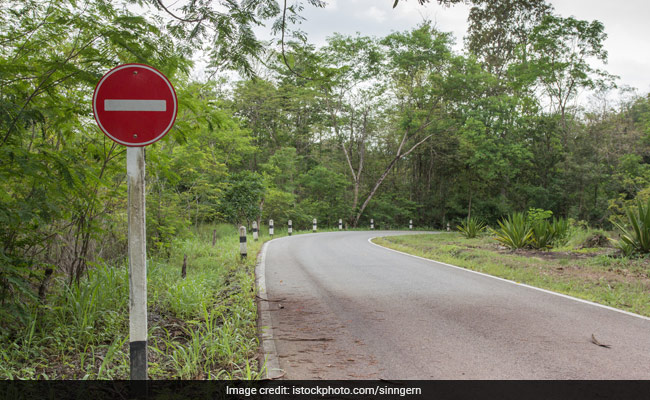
{"points": [[135, 105]]}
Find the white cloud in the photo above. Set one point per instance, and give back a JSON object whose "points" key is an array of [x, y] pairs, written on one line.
{"points": [[332, 5], [375, 14]]}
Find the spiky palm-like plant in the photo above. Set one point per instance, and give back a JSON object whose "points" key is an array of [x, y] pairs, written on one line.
{"points": [[635, 235], [471, 227], [514, 231]]}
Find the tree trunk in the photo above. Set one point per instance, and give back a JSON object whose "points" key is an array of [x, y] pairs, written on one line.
{"points": [[385, 174], [469, 206]]}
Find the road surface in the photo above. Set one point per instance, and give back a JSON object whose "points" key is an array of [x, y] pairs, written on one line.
{"points": [[343, 308]]}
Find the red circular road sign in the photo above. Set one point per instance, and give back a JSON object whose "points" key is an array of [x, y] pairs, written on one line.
{"points": [[135, 104]]}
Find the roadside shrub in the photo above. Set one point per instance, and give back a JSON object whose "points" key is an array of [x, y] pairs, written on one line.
{"points": [[581, 236], [514, 231], [547, 234], [636, 239], [538, 214], [471, 227], [542, 234], [561, 226]]}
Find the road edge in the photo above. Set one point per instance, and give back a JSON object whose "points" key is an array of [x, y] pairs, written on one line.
{"points": [[270, 368], [566, 296]]}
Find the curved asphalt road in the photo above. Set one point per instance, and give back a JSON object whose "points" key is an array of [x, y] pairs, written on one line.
{"points": [[343, 308]]}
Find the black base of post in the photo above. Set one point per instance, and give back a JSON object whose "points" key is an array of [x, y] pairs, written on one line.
{"points": [[138, 356], [138, 360]]}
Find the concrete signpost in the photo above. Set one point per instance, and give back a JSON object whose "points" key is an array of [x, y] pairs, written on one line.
{"points": [[135, 105], [255, 231], [271, 227], [290, 228]]}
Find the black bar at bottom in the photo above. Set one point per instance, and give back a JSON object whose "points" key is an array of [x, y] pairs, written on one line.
{"points": [[324, 389]]}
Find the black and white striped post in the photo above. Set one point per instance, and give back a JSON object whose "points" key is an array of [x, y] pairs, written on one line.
{"points": [[372, 223], [242, 242], [410, 224], [340, 224], [314, 224], [447, 226], [137, 263], [271, 227], [290, 228], [255, 236]]}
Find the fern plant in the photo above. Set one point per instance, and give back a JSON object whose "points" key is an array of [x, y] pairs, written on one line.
{"points": [[514, 231], [636, 239], [471, 227]]}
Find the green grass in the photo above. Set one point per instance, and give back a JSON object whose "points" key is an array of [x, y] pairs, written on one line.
{"points": [[200, 327], [618, 282]]}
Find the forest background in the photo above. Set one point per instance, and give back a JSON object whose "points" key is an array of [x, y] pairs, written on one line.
{"points": [[392, 128]]}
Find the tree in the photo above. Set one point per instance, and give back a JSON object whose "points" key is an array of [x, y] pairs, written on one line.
{"points": [[557, 60], [417, 63], [497, 28], [352, 98], [58, 171], [241, 200]]}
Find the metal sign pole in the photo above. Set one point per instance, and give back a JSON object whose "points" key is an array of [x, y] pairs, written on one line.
{"points": [[137, 263]]}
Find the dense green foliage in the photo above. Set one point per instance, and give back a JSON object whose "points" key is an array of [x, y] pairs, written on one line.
{"points": [[393, 128]]}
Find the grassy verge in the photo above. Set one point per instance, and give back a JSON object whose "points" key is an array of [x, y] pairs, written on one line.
{"points": [[590, 274], [200, 327]]}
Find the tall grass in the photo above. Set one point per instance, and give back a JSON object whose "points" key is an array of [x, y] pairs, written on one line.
{"points": [[200, 326]]}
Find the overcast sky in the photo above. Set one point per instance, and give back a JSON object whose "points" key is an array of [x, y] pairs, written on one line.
{"points": [[626, 24]]}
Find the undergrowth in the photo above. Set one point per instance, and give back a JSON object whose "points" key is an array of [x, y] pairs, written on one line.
{"points": [[200, 327]]}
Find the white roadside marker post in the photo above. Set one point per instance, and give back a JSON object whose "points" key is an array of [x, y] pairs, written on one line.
{"points": [[372, 223], [290, 228], [242, 242], [271, 228], [314, 224], [340, 224], [410, 224], [137, 263], [255, 236], [447, 226]]}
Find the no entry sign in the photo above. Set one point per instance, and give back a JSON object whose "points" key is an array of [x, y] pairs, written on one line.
{"points": [[135, 104]]}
